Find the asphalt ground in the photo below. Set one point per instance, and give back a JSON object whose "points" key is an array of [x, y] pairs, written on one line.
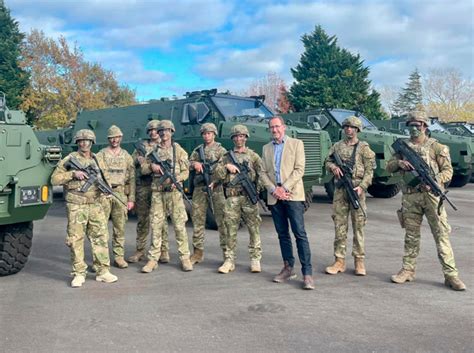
{"points": [[203, 311]]}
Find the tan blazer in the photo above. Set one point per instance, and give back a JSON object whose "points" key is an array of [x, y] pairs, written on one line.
{"points": [[291, 169]]}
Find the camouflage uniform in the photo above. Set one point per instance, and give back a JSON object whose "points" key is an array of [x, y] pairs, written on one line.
{"points": [[213, 154], [363, 171], [416, 202], [238, 205], [122, 180], [85, 217], [167, 200]]}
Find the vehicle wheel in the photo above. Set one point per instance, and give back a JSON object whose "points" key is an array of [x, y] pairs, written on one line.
{"points": [[384, 191], [210, 220], [15, 246], [330, 188], [459, 181]]}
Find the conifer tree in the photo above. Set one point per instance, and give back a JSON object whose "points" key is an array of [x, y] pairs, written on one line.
{"points": [[410, 98]]}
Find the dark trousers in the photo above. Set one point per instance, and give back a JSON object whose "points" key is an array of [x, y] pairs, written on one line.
{"points": [[282, 212]]}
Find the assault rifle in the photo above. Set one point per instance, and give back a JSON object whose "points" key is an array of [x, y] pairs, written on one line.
{"points": [[168, 174], [207, 175], [93, 177], [421, 170], [243, 178], [346, 182], [140, 147]]}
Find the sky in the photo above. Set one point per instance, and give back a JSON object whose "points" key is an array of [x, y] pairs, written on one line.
{"points": [[165, 48]]}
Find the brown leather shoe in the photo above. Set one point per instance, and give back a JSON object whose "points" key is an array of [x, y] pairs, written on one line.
{"points": [[308, 282], [136, 257], [454, 283], [197, 257], [338, 266], [359, 266], [285, 274], [150, 266], [120, 262], [403, 276], [164, 257]]}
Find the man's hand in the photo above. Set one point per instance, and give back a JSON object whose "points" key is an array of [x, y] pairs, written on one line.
{"points": [[232, 168], [198, 167], [140, 159], [359, 190], [405, 165], [80, 175], [337, 172], [155, 168], [130, 205], [280, 193]]}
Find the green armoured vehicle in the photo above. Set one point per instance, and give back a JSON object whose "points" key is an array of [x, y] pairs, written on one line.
{"points": [[461, 148], [25, 189], [459, 128], [384, 185], [188, 114]]}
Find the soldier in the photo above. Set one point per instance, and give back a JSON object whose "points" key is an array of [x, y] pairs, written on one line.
{"points": [[166, 198], [237, 203], [143, 198], [417, 200], [84, 212], [213, 152], [358, 156], [121, 170]]}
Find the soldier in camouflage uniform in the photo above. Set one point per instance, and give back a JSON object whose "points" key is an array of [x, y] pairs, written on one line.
{"points": [[84, 212], [361, 159], [166, 199], [417, 200], [213, 152], [238, 205], [143, 199], [121, 171]]}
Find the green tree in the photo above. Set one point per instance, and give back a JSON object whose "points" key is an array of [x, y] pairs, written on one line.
{"points": [[411, 97], [13, 79], [332, 77]]}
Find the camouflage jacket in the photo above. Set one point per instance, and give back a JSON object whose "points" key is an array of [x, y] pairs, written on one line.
{"points": [[254, 163], [121, 171], [62, 176], [364, 164], [434, 154], [139, 177], [180, 167], [213, 155]]}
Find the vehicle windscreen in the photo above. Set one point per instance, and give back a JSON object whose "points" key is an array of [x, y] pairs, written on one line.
{"points": [[236, 106], [341, 115], [436, 126]]}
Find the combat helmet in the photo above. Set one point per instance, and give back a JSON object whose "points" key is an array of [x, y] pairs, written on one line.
{"points": [[152, 124], [208, 127], [353, 121], [114, 131], [239, 130], [166, 124], [418, 115], [84, 134]]}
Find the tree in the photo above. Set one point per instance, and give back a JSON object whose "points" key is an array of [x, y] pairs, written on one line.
{"points": [[283, 103], [13, 79], [271, 87], [63, 83], [332, 77], [411, 97], [448, 95]]}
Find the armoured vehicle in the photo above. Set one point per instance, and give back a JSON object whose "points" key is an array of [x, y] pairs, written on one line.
{"points": [[188, 114], [459, 128], [384, 185], [25, 189], [461, 148]]}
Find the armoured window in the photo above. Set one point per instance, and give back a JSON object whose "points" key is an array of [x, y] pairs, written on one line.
{"points": [[322, 120], [194, 113]]}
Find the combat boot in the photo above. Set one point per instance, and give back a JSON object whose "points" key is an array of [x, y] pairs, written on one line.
{"points": [[227, 266], [78, 281], [359, 266], [285, 274], [454, 283], [338, 266], [150, 266], [136, 257], [308, 282], [198, 256], [120, 262], [106, 277], [186, 264], [255, 266], [403, 276], [164, 257]]}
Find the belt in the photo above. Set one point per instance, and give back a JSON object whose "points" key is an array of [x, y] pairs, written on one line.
{"points": [[232, 192], [166, 188], [413, 190]]}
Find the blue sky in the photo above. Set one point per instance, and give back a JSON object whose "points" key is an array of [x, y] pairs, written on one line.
{"points": [[165, 48]]}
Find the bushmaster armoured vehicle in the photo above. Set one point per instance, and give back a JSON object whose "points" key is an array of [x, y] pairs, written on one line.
{"points": [[25, 189], [188, 114], [461, 148], [384, 184]]}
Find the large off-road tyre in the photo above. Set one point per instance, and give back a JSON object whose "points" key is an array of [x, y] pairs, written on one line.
{"points": [[330, 188], [384, 191], [15, 246], [459, 181]]}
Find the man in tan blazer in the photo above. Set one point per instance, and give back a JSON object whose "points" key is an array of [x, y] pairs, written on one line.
{"points": [[283, 164]]}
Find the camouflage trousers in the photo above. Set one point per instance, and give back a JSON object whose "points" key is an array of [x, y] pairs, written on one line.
{"points": [[198, 215], [341, 208], [414, 206], [237, 207], [142, 209], [171, 203], [117, 212], [87, 219]]}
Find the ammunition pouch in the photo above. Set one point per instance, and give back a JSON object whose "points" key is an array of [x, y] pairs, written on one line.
{"points": [[233, 192]]}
